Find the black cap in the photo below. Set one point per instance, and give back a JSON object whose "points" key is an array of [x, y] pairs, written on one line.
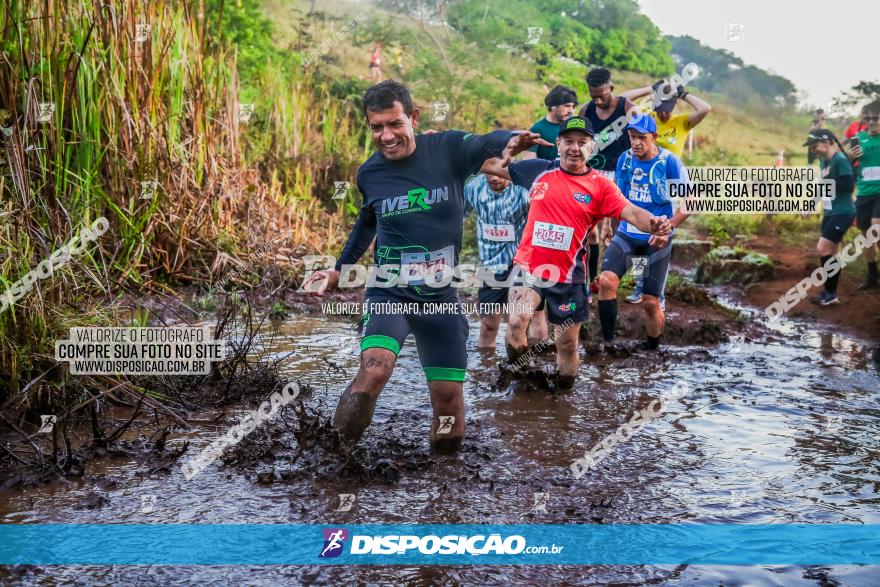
{"points": [[577, 123], [820, 134], [664, 87], [560, 95]]}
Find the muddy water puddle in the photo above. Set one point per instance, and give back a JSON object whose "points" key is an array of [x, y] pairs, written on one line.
{"points": [[783, 429]]}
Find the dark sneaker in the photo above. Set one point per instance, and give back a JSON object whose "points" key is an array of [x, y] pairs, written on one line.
{"points": [[826, 298], [871, 283], [634, 298]]}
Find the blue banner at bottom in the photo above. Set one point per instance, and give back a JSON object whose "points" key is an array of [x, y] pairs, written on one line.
{"points": [[424, 544]]}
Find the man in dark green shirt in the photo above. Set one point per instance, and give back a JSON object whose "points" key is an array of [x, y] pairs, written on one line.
{"points": [[560, 102], [839, 212]]}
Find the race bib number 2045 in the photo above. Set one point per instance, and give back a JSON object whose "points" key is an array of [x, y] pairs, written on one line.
{"points": [[552, 236]]}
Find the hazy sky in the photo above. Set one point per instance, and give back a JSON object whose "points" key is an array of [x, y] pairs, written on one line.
{"points": [[822, 47]]}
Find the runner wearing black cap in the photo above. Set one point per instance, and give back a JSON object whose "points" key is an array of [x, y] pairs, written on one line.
{"points": [[567, 199], [672, 129], [560, 103], [414, 208], [839, 212]]}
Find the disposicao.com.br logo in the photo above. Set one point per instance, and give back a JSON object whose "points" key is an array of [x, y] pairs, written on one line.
{"points": [[431, 544]]}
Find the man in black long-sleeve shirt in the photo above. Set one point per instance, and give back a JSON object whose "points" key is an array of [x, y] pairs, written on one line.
{"points": [[413, 205]]}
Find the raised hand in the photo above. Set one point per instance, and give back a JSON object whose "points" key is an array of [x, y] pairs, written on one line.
{"points": [[519, 143]]}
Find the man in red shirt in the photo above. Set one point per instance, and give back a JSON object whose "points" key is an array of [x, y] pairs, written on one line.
{"points": [[567, 199], [376, 63]]}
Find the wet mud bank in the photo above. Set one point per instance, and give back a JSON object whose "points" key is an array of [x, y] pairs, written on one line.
{"points": [[779, 425]]}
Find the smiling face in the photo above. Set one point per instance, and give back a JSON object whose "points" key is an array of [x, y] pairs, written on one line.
{"points": [[393, 131], [575, 149], [823, 149], [872, 119]]}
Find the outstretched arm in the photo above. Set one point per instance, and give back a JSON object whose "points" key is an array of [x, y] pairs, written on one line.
{"points": [[636, 93], [473, 150], [494, 167], [645, 221]]}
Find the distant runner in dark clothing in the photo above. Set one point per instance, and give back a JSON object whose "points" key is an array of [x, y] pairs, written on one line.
{"points": [[604, 110], [839, 212], [561, 103]]}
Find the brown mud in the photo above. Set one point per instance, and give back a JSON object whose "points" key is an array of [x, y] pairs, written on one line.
{"points": [[781, 417]]}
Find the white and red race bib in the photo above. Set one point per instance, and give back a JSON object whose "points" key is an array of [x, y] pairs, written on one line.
{"points": [[498, 232], [552, 236], [417, 266]]}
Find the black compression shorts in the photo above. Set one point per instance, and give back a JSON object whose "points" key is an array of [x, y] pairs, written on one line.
{"points": [[440, 331]]}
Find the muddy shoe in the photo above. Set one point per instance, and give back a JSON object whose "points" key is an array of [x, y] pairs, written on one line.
{"points": [[652, 344], [446, 446], [826, 298], [615, 349], [562, 383]]}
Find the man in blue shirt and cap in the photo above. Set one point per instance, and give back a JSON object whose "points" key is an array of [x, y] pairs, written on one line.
{"points": [[643, 173]]}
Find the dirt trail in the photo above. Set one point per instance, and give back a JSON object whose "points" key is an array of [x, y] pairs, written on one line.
{"points": [[858, 311]]}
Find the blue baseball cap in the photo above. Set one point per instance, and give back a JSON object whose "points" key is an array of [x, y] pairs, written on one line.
{"points": [[643, 123]]}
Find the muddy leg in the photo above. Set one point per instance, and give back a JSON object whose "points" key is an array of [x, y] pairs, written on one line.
{"points": [[567, 359], [538, 327], [354, 412], [489, 324], [608, 282], [522, 301], [655, 320], [447, 399]]}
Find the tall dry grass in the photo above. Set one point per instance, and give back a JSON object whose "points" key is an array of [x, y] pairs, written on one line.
{"points": [[127, 110]]}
